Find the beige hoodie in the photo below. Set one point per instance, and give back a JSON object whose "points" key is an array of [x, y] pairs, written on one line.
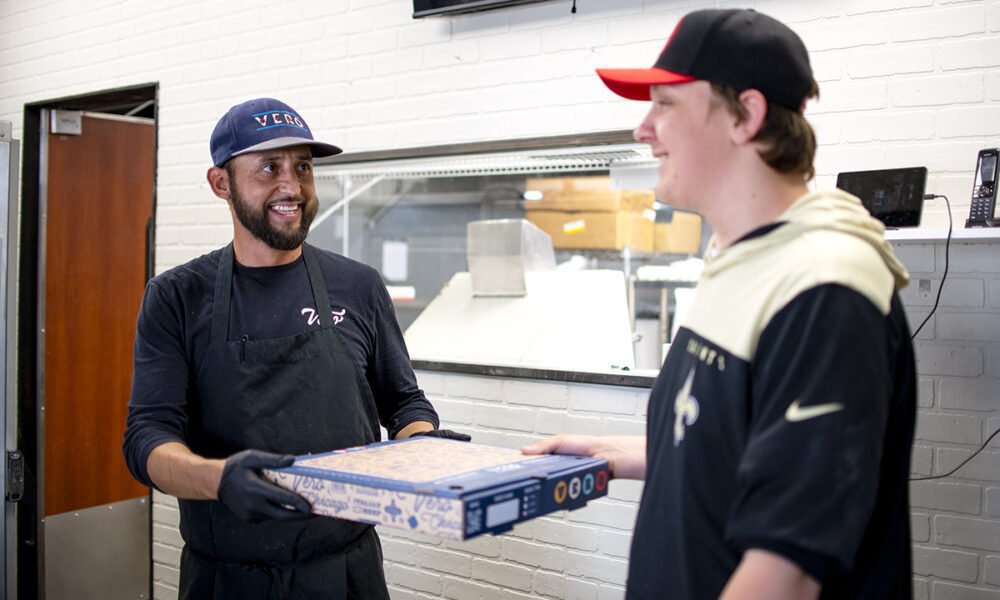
{"points": [[827, 238], [831, 210]]}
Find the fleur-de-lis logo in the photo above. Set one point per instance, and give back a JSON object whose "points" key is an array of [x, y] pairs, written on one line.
{"points": [[685, 409]]}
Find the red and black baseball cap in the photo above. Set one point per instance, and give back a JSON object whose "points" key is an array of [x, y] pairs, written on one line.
{"points": [[742, 49]]}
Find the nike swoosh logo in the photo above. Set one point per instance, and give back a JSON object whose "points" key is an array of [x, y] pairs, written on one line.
{"points": [[796, 413]]}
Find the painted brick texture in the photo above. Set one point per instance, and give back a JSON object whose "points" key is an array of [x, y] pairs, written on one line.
{"points": [[898, 76], [904, 82], [955, 535]]}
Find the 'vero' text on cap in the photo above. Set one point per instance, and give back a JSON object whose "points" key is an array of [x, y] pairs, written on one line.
{"points": [[269, 120]]}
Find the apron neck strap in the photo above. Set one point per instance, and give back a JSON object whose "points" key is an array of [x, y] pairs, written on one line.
{"points": [[224, 288], [220, 301], [318, 284]]}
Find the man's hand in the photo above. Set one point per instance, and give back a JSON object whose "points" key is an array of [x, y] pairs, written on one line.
{"points": [[446, 434], [626, 455], [253, 498]]}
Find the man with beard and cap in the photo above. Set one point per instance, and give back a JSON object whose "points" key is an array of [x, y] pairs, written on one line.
{"points": [[779, 430], [259, 351]]}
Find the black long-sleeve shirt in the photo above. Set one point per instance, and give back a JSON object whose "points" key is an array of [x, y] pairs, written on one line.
{"points": [[267, 302]]}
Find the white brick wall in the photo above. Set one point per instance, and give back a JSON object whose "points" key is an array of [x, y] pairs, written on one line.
{"points": [[904, 82], [956, 529]]}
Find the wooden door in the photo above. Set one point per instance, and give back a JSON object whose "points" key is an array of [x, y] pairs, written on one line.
{"points": [[98, 201]]}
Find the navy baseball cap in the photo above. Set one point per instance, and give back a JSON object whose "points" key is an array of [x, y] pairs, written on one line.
{"points": [[739, 48], [262, 124]]}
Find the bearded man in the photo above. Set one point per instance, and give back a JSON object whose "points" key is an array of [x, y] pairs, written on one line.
{"points": [[233, 373]]}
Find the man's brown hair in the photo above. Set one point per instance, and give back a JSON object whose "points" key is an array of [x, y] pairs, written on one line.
{"points": [[789, 141]]}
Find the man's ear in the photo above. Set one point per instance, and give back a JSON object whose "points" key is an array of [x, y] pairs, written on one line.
{"points": [[218, 180], [754, 106]]}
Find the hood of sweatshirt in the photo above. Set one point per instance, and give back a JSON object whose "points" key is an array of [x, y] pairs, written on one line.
{"points": [[828, 210]]}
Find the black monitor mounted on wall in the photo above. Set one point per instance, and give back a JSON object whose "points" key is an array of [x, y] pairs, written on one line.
{"points": [[428, 8]]}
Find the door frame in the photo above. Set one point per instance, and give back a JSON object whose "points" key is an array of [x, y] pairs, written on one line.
{"points": [[30, 575], [9, 178]]}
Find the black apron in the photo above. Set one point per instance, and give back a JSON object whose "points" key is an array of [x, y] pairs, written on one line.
{"points": [[299, 394]]}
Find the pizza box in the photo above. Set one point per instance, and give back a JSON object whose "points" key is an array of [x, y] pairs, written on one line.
{"points": [[444, 488]]}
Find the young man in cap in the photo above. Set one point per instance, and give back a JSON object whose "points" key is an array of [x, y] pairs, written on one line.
{"points": [[779, 432], [254, 353]]}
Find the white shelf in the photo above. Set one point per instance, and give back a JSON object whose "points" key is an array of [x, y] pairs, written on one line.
{"points": [[978, 234]]}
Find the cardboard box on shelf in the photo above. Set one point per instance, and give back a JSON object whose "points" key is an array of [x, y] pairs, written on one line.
{"points": [[590, 230], [593, 194], [682, 235], [647, 231]]}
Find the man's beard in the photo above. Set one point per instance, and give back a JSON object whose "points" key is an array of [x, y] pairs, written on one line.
{"points": [[257, 223]]}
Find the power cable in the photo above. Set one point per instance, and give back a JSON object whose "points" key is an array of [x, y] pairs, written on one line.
{"points": [[961, 464], [947, 246], [937, 299]]}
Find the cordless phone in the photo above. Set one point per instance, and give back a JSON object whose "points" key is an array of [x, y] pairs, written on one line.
{"points": [[982, 209]]}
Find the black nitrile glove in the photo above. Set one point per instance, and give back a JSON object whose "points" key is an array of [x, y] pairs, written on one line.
{"points": [[253, 498], [446, 434]]}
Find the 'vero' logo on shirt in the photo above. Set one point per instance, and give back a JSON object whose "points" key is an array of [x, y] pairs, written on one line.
{"points": [[312, 318], [685, 409]]}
